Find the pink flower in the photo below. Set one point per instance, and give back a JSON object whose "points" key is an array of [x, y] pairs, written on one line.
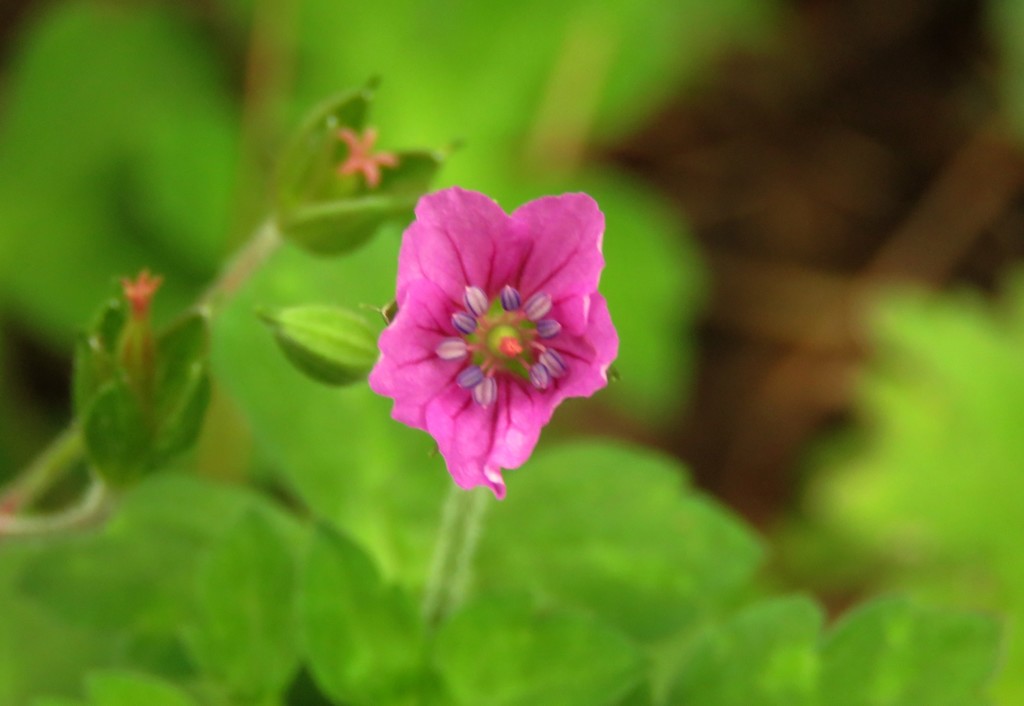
{"points": [[499, 320]]}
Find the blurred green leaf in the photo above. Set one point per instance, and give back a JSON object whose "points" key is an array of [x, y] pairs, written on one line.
{"points": [[893, 653], [502, 652], [133, 137], [246, 633], [934, 488], [765, 656], [127, 689], [612, 529], [182, 388], [362, 638], [330, 344], [117, 434], [307, 167], [95, 351]]}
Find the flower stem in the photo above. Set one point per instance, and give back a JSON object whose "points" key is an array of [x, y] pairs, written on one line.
{"points": [[457, 540], [264, 241], [91, 508], [49, 466]]}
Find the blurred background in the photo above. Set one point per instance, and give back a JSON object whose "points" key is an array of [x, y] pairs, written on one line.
{"points": [[815, 220]]}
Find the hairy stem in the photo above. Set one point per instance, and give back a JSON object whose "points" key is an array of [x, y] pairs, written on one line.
{"points": [[90, 509], [457, 540]]}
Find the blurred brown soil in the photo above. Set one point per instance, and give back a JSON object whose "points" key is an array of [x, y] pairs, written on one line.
{"points": [[865, 149]]}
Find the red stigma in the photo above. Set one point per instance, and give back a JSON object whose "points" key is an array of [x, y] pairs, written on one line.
{"points": [[140, 292], [362, 158], [510, 346]]}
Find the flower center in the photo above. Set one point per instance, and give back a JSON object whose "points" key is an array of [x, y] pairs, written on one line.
{"points": [[503, 335], [504, 340]]}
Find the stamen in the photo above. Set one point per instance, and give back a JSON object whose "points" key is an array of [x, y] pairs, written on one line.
{"points": [[451, 349], [470, 377], [463, 322], [548, 328], [510, 299], [486, 392], [476, 301], [551, 360], [510, 347], [540, 377], [537, 306]]}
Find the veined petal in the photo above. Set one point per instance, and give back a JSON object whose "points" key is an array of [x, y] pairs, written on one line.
{"points": [[587, 355], [409, 369], [477, 442], [565, 234], [459, 238]]}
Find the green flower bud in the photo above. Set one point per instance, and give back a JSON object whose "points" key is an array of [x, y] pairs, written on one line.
{"points": [[329, 344]]}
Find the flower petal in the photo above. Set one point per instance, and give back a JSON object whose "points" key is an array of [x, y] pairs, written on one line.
{"points": [[565, 234], [459, 238], [588, 355], [409, 369], [477, 442]]}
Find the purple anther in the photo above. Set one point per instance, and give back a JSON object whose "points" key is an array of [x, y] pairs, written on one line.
{"points": [[540, 377], [510, 299], [485, 392], [463, 322], [476, 301], [537, 306], [548, 328], [551, 360], [470, 377], [451, 349]]}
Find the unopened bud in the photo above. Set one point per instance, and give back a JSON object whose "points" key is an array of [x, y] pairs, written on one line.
{"points": [[329, 344]]}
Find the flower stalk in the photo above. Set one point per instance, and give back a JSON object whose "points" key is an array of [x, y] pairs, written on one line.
{"points": [[458, 536]]}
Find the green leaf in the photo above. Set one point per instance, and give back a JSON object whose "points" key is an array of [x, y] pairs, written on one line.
{"points": [[934, 486], [127, 689], [765, 656], [95, 353], [117, 435], [502, 652], [329, 214], [894, 653], [362, 638], [57, 701], [306, 172], [143, 176], [341, 226], [246, 633], [612, 529], [330, 344], [182, 389]]}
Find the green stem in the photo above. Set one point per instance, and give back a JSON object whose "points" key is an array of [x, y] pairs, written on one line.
{"points": [[90, 509], [64, 451], [242, 265], [457, 540]]}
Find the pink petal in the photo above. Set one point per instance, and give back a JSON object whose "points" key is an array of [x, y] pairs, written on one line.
{"points": [[588, 355], [478, 442], [565, 257], [459, 238], [408, 369]]}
